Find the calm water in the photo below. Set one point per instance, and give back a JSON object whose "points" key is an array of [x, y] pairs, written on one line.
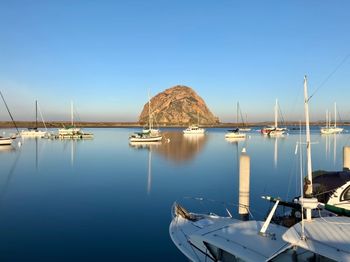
{"points": [[105, 200]]}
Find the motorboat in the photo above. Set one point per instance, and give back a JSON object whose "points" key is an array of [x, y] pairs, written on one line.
{"points": [[193, 129], [210, 237]]}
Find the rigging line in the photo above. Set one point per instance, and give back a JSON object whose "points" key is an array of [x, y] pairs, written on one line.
{"points": [[42, 118], [282, 117], [8, 110], [329, 76]]}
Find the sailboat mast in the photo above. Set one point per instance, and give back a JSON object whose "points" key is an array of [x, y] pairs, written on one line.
{"points": [[36, 114], [71, 113], [308, 139], [237, 114], [149, 111], [276, 113], [335, 115]]}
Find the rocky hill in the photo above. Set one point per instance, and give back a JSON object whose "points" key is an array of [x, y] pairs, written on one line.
{"points": [[179, 105]]}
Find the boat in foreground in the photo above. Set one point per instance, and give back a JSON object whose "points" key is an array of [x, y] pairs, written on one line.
{"points": [[214, 238], [209, 237]]}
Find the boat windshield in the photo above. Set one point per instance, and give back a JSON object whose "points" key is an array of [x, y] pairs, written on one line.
{"points": [[221, 255], [300, 254]]}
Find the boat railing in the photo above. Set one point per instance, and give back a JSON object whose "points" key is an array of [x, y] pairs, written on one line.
{"points": [[201, 205]]}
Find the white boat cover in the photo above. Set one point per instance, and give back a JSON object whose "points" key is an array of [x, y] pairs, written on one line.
{"points": [[327, 236]]}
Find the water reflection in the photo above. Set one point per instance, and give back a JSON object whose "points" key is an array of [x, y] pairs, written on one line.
{"points": [[7, 148], [180, 147], [328, 140], [150, 146]]}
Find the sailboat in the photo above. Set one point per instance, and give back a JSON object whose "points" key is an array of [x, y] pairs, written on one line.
{"points": [[150, 128], [34, 132], [209, 237], [72, 131], [147, 135], [194, 129], [328, 129], [274, 130], [7, 140], [245, 127], [235, 132]]}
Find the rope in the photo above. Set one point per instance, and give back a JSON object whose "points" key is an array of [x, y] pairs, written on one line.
{"points": [[329, 76]]}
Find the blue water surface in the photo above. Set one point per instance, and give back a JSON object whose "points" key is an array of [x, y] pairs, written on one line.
{"points": [[106, 200]]}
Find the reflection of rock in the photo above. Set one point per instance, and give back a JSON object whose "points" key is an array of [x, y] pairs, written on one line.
{"points": [[181, 147], [175, 146]]}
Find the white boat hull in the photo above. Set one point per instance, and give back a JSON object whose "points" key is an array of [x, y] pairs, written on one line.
{"points": [[32, 133], [331, 130], [5, 141], [193, 130], [145, 139], [235, 135]]}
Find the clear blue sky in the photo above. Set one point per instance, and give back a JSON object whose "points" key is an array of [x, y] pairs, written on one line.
{"points": [[105, 55]]}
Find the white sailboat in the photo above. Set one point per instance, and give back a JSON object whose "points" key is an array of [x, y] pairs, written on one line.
{"points": [[235, 133], [274, 130], [150, 128], [194, 129], [7, 140], [72, 131], [34, 132], [209, 237], [328, 129], [147, 135]]}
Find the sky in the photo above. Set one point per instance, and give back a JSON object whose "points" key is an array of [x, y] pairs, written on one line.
{"points": [[106, 55]]}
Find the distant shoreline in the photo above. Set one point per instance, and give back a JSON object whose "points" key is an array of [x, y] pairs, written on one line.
{"points": [[59, 124]]}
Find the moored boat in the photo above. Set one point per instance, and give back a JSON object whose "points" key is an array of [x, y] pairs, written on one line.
{"points": [[210, 237]]}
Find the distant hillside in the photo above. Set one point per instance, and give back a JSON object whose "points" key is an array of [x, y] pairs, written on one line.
{"points": [[178, 105]]}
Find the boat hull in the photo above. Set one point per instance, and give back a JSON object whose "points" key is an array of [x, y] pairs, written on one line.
{"points": [[145, 139], [331, 130], [235, 135], [5, 141], [31, 133]]}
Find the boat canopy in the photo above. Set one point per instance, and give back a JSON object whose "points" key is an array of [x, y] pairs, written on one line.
{"points": [[325, 236]]}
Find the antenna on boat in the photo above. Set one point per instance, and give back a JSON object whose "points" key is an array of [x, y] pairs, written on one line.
{"points": [[301, 185]]}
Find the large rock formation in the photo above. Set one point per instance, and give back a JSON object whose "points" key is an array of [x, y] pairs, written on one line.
{"points": [[179, 105]]}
